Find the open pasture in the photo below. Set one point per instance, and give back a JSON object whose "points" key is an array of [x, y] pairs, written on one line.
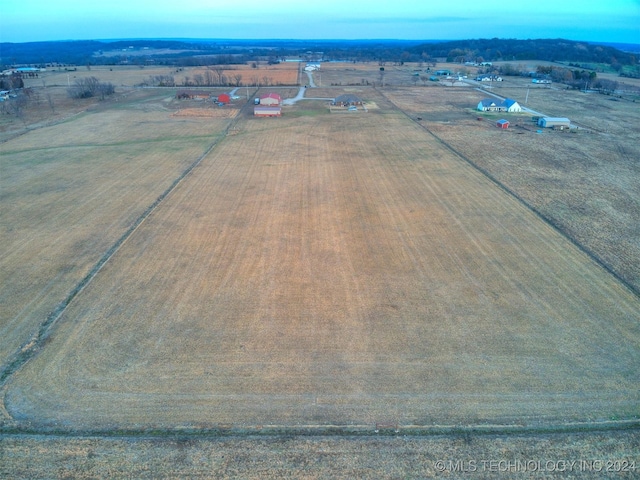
{"points": [[585, 182], [338, 270], [70, 190]]}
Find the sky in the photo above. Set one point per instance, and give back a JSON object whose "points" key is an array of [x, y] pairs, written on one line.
{"points": [[584, 20]]}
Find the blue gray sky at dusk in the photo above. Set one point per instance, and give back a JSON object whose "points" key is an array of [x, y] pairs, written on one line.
{"points": [[601, 21]]}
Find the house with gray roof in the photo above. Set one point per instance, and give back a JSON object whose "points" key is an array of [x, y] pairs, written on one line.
{"points": [[496, 105]]}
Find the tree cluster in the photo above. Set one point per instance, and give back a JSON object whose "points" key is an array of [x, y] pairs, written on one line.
{"points": [[90, 87], [11, 82]]}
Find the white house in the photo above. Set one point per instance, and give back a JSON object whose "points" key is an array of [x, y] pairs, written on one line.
{"points": [[512, 105], [495, 105], [488, 78]]}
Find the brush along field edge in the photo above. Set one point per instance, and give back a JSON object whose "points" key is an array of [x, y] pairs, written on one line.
{"points": [[337, 271]]}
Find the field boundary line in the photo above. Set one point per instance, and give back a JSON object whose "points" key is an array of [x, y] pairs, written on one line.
{"points": [[558, 228], [30, 349], [328, 430]]}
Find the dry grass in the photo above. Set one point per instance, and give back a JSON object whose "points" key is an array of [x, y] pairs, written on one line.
{"points": [[339, 270], [68, 191], [207, 112], [41, 457], [264, 75], [585, 183], [314, 270], [129, 76]]}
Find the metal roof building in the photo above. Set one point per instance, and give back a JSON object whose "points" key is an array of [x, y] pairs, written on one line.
{"points": [[548, 122]]}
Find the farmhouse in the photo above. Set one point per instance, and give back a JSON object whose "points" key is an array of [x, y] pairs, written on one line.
{"points": [[504, 124], [553, 122], [489, 78], [495, 105], [347, 100], [267, 111], [270, 99]]}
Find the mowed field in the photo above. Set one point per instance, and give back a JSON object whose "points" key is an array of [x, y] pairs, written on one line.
{"points": [[70, 190], [323, 270]]}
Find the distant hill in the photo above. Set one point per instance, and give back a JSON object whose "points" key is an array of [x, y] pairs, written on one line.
{"points": [[497, 49], [210, 51]]}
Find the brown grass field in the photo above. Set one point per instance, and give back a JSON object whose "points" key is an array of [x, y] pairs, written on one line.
{"points": [[584, 182], [317, 273], [70, 190], [129, 76]]}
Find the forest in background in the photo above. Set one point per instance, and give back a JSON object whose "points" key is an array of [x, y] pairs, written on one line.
{"points": [[183, 52]]}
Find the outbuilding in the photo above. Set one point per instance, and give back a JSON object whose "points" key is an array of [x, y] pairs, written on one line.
{"points": [[504, 124], [270, 99], [552, 122], [224, 98], [267, 111]]}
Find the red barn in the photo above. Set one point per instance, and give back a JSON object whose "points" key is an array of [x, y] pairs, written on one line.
{"points": [[224, 98], [504, 124]]}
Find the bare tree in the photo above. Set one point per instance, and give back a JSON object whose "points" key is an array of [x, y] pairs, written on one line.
{"points": [[18, 104], [105, 89], [89, 87], [238, 79], [208, 77], [218, 70], [50, 102]]}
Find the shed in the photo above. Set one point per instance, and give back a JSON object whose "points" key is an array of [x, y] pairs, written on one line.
{"points": [[267, 111], [224, 98], [549, 122], [504, 124], [270, 99]]}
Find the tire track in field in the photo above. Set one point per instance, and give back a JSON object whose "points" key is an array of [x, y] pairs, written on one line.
{"points": [[30, 349], [555, 225]]}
